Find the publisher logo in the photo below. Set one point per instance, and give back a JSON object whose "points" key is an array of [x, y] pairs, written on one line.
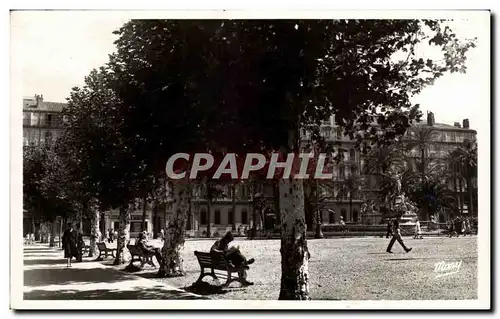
{"points": [[447, 268]]}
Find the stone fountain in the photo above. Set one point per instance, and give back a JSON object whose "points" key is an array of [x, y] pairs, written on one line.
{"points": [[400, 205]]}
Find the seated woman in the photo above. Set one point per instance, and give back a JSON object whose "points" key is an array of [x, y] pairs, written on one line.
{"points": [[233, 254], [142, 244]]}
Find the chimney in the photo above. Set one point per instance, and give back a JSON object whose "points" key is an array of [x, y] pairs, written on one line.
{"points": [[457, 124], [430, 119], [466, 123], [39, 98]]}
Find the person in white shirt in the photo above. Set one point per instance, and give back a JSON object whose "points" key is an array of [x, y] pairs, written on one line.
{"points": [[418, 230], [343, 227]]}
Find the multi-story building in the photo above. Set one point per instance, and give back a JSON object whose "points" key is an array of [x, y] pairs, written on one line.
{"points": [[42, 121], [42, 124], [340, 203], [444, 139]]}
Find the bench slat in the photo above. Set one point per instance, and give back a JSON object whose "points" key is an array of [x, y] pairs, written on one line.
{"points": [[214, 260]]}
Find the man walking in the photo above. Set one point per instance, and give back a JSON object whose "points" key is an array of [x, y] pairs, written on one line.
{"points": [[396, 235], [389, 228]]}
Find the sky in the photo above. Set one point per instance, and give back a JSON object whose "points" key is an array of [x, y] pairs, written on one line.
{"points": [[57, 49]]}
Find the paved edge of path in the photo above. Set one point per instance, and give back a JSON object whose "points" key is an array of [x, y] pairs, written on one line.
{"points": [[50, 279]]}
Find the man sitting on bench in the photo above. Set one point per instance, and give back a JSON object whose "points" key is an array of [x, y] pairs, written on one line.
{"points": [[233, 255], [142, 244]]}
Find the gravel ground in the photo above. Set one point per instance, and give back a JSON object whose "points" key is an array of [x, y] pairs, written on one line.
{"points": [[347, 269]]}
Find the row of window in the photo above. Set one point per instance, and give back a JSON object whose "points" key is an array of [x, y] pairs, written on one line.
{"points": [[242, 191], [42, 119], [35, 138], [245, 220], [217, 217]]}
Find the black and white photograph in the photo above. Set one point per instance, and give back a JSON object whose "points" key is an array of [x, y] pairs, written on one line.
{"points": [[244, 160]]}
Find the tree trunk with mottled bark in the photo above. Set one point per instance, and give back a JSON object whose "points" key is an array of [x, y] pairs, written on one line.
{"points": [[122, 253], [294, 252], [318, 233], [175, 232], [470, 206], [209, 218], [455, 189], [461, 195], [233, 199], [143, 221], [53, 232], [95, 232]]}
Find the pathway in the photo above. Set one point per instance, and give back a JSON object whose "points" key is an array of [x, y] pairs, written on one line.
{"points": [[46, 277]]}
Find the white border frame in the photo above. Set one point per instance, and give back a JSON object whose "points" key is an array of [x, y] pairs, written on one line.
{"points": [[484, 180]]}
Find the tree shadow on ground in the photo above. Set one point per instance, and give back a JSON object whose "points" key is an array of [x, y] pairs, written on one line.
{"points": [[43, 251], [155, 292], [64, 276], [417, 258], [151, 273], [31, 262], [204, 288], [53, 255]]}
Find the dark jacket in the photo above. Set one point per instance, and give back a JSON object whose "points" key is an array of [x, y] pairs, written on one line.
{"points": [[143, 246], [220, 245], [69, 241]]}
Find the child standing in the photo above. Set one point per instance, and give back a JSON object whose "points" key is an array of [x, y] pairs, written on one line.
{"points": [[418, 230]]}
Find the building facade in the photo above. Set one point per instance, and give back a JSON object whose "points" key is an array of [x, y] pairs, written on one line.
{"points": [[42, 121], [42, 124]]}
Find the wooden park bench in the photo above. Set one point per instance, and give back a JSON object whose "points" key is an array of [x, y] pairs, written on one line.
{"points": [[103, 250], [85, 249], [217, 261], [138, 255]]}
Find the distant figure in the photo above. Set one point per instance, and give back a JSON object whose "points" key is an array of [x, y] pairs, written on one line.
{"points": [[32, 238], [142, 244], [79, 243], [396, 235], [457, 225], [115, 235], [162, 235], [110, 236], [451, 229], [418, 230], [69, 244], [343, 227], [389, 228], [233, 254], [467, 227]]}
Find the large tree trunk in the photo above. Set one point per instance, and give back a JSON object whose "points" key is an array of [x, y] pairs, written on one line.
{"points": [[61, 222], [233, 198], [95, 232], [175, 233], [461, 195], [122, 253], [143, 223], [276, 194], [53, 232], [317, 220], [294, 251], [209, 217], [470, 206], [350, 207], [455, 189]]}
